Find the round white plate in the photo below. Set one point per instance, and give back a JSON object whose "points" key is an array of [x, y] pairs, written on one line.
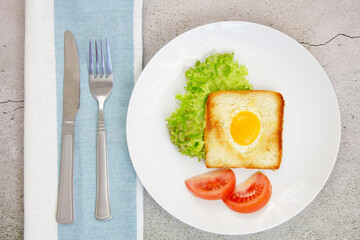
{"points": [[311, 134]]}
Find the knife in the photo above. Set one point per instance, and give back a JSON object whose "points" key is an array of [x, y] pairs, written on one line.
{"points": [[71, 104]]}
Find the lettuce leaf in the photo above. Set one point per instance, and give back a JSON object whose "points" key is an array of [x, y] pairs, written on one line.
{"points": [[186, 124]]}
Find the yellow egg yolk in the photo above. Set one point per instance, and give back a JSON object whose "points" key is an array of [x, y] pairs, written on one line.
{"points": [[245, 127]]}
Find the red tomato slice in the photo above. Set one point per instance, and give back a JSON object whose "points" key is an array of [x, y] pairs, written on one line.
{"points": [[251, 195], [212, 185]]}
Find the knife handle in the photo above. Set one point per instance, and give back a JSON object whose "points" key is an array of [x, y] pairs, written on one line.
{"points": [[102, 211], [65, 208]]}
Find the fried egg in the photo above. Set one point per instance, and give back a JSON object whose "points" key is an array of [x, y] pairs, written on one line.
{"points": [[243, 128]]}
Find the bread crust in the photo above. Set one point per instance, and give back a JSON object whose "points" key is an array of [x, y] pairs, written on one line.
{"points": [[216, 138]]}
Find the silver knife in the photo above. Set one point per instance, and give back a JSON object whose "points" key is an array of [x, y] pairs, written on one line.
{"points": [[71, 104]]}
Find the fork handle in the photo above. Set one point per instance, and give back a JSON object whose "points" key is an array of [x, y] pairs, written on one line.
{"points": [[65, 208], [102, 211]]}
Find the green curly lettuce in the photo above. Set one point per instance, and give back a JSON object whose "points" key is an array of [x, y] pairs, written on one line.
{"points": [[186, 124]]}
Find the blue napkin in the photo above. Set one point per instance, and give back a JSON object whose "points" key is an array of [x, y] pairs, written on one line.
{"points": [[95, 20]]}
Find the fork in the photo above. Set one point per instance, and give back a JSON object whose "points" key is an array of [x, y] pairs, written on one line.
{"points": [[101, 84]]}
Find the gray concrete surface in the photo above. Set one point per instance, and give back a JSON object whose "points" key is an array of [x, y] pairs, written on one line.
{"points": [[330, 30], [11, 118]]}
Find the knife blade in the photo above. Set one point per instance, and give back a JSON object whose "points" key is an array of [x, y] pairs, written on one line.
{"points": [[71, 104]]}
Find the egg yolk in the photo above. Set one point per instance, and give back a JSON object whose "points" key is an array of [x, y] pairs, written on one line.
{"points": [[245, 127]]}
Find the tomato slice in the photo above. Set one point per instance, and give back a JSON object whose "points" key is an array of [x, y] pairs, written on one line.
{"points": [[251, 195], [212, 185]]}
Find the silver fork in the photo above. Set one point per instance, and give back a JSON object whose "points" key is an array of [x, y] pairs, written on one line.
{"points": [[101, 84]]}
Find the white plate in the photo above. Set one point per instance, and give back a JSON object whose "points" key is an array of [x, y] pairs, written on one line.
{"points": [[311, 134]]}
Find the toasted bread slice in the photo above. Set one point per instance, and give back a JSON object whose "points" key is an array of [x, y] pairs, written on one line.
{"points": [[221, 150]]}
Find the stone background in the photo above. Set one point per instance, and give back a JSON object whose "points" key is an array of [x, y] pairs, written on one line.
{"points": [[330, 30]]}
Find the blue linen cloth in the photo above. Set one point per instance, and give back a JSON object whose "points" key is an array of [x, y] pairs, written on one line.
{"points": [[97, 20]]}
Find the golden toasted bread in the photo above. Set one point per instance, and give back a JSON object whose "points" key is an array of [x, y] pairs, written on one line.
{"points": [[244, 129]]}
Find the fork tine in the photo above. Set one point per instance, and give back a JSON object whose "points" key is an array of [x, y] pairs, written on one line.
{"points": [[91, 65], [97, 60], [109, 68], [102, 60]]}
